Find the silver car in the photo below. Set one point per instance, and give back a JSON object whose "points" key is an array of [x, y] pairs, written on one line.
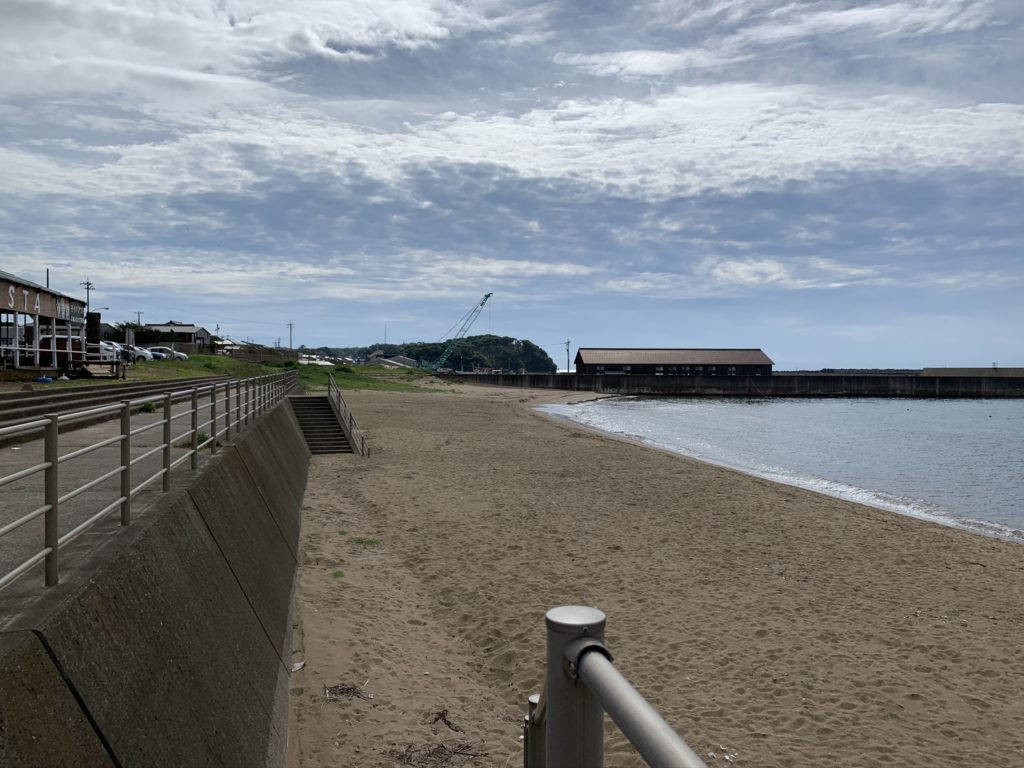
{"points": [[135, 354], [169, 353]]}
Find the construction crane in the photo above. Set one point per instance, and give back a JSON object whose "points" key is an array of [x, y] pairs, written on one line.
{"points": [[470, 318]]}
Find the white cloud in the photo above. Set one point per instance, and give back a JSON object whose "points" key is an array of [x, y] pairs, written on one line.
{"points": [[61, 46]]}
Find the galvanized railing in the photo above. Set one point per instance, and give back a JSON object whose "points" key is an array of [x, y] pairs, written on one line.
{"points": [[564, 728], [356, 437], [213, 412]]}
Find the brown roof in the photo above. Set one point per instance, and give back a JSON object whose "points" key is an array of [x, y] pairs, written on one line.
{"points": [[631, 356]]}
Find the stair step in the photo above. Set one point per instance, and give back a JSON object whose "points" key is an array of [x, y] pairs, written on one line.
{"points": [[319, 424]]}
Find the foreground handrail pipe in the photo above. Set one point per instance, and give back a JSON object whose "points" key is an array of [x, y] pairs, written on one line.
{"points": [[564, 727], [23, 473], [70, 418], [646, 730], [29, 426]]}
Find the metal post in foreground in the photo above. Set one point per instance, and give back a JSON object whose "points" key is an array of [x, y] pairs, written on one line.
{"points": [[194, 442], [575, 721], [227, 410], [167, 443], [533, 734], [238, 407], [126, 462], [51, 522], [213, 419]]}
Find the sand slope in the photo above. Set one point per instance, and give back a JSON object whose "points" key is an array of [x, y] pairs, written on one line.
{"points": [[771, 626]]}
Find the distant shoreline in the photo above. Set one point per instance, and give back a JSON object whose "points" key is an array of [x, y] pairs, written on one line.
{"points": [[776, 385]]}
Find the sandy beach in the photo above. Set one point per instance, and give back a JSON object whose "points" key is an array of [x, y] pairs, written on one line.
{"points": [[771, 626]]}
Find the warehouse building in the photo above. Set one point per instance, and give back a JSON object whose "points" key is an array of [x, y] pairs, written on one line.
{"points": [[673, 362]]}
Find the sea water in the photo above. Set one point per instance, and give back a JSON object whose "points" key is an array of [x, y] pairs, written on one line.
{"points": [[959, 462]]}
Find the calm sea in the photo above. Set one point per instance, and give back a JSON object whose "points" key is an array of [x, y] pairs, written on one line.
{"points": [[960, 462]]}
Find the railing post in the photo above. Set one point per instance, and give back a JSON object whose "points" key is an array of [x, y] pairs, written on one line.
{"points": [[51, 522], [194, 459], [227, 410], [575, 720], [238, 407], [248, 399], [213, 419], [167, 442], [533, 735], [126, 462]]}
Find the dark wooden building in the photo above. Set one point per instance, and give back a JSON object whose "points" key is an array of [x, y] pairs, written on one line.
{"points": [[40, 329], [673, 362]]}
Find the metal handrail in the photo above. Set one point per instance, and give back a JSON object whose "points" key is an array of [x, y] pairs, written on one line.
{"points": [[564, 727], [356, 436], [261, 393]]}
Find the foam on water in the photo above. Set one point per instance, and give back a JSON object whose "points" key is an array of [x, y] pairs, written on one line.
{"points": [[752, 436]]}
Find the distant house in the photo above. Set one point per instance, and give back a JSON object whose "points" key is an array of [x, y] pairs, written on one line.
{"points": [[402, 361], [185, 333], [673, 362]]}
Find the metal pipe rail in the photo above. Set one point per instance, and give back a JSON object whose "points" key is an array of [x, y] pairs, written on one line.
{"points": [[564, 727], [261, 393], [356, 436]]}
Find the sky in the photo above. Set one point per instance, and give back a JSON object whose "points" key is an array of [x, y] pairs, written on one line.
{"points": [[838, 183]]}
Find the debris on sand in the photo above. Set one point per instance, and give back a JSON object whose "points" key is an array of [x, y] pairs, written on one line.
{"points": [[435, 755], [345, 691], [441, 716]]}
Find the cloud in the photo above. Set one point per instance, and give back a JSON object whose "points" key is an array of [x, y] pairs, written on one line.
{"points": [[407, 155]]}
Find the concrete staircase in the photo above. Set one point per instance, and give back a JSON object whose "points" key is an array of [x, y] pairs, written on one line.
{"points": [[319, 424]]}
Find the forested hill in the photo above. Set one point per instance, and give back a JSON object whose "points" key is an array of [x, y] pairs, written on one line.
{"points": [[484, 351]]}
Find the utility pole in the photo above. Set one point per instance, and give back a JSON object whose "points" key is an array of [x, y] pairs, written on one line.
{"points": [[138, 317], [291, 327], [88, 292], [567, 355]]}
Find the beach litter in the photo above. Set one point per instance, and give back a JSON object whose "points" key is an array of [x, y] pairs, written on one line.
{"points": [[441, 716], [345, 691], [435, 755]]}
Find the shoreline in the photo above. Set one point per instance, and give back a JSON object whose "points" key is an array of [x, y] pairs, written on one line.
{"points": [[777, 626], [950, 519]]}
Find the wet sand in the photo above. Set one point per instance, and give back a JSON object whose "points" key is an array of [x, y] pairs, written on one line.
{"points": [[771, 626]]}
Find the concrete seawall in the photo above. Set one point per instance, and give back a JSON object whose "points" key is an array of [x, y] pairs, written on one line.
{"points": [[174, 649], [778, 385]]}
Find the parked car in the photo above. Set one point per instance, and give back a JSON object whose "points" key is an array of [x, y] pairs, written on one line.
{"points": [[107, 351], [135, 354], [169, 353]]}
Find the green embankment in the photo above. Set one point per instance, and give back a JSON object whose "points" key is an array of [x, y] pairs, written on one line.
{"points": [[313, 377]]}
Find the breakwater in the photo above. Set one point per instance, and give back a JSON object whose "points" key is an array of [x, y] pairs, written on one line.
{"points": [[777, 385], [171, 644]]}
